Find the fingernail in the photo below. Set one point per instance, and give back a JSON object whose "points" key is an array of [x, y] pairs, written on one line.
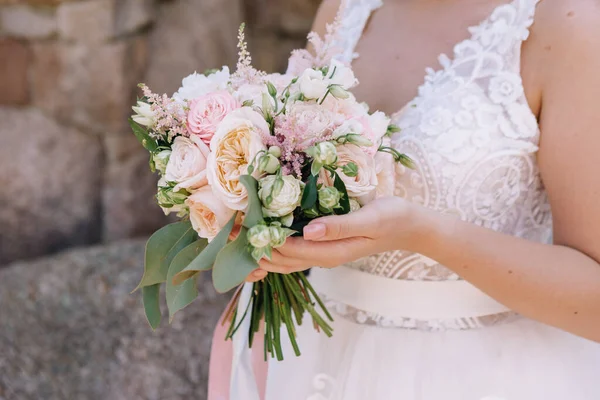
{"points": [[314, 231]]}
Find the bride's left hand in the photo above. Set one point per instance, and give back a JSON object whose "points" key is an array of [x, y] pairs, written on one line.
{"points": [[385, 224]]}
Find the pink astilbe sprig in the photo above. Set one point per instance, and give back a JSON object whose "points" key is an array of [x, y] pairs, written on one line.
{"points": [[170, 116], [245, 73]]}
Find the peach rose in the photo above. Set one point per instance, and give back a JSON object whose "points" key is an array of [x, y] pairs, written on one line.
{"points": [[235, 145], [207, 213], [187, 163], [206, 112]]}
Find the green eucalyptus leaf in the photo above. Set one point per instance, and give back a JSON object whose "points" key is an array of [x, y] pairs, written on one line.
{"points": [[162, 247], [309, 197], [233, 264], [339, 184], [142, 135], [205, 260], [254, 215], [180, 296], [151, 300]]}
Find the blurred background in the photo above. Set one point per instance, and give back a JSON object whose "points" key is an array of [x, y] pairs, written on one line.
{"points": [[77, 197]]}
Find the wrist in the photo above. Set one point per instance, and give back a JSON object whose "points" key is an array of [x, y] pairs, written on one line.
{"points": [[426, 229]]}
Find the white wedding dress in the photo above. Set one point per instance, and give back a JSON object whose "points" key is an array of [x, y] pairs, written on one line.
{"points": [[406, 327]]}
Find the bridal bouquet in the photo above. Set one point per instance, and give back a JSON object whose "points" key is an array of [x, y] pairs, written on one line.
{"points": [[247, 160]]}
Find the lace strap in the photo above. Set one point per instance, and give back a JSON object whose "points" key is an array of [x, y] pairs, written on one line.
{"points": [[352, 18]]}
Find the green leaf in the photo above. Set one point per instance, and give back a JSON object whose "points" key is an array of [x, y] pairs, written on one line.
{"points": [[309, 197], [142, 135], [233, 264], [315, 168], [180, 296], [207, 257], [150, 298], [254, 214], [339, 184], [161, 248]]}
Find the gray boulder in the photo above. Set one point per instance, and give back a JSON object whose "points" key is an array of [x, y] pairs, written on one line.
{"points": [[70, 329]]}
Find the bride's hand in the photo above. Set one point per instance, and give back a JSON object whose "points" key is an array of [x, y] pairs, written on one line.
{"points": [[382, 225]]}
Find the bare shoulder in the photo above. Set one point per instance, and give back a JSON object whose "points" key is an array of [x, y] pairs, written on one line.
{"points": [[326, 14]]}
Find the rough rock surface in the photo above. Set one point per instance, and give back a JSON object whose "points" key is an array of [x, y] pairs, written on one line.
{"points": [[51, 180], [71, 330]]}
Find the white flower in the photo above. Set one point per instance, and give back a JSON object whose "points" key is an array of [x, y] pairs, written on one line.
{"points": [[284, 197], [436, 121], [340, 74], [235, 145], [506, 88], [329, 197], [379, 123], [268, 163], [313, 84], [207, 213], [348, 126], [196, 85], [279, 235], [259, 236], [144, 114], [323, 153], [187, 163], [161, 160]]}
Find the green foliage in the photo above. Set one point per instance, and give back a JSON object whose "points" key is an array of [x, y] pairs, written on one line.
{"points": [[309, 197], [142, 135], [151, 300], [254, 214], [233, 264]]}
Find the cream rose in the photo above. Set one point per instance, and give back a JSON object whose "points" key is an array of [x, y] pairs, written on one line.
{"points": [[236, 143], [284, 202], [207, 213], [187, 163], [365, 182]]}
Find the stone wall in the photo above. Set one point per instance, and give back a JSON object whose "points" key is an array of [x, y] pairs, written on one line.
{"points": [[71, 173]]}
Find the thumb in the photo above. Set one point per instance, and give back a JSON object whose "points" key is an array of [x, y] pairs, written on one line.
{"points": [[336, 227]]}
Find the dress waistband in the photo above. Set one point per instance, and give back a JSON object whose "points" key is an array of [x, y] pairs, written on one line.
{"points": [[397, 299]]}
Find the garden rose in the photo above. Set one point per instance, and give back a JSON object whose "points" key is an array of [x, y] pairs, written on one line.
{"points": [[284, 202], [259, 236], [207, 213], [365, 182], [236, 143], [206, 112], [187, 163], [313, 84], [312, 121]]}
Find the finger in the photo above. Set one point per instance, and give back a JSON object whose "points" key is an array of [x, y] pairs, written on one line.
{"points": [[257, 275], [279, 259], [268, 266], [356, 224]]}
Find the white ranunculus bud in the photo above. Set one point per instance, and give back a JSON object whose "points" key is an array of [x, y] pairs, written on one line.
{"points": [[313, 84], [160, 160], [144, 114], [329, 197], [268, 163], [259, 236], [354, 205], [281, 202], [323, 153], [275, 151], [278, 236]]}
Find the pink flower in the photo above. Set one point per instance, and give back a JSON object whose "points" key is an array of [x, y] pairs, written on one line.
{"points": [[207, 213], [206, 112], [187, 163]]}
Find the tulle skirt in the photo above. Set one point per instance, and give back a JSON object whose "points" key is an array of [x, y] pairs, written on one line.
{"points": [[515, 360]]}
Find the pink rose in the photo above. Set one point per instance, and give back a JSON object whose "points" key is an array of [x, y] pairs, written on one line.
{"points": [[207, 213], [206, 112], [187, 163]]}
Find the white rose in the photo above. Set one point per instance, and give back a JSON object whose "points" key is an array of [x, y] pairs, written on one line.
{"points": [[340, 74], [187, 163], [285, 201], [196, 85], [237, 141], [365, 182], [207, 213], [323, 153], [313, 84]]}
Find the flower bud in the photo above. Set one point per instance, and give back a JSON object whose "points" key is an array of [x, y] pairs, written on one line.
{"points": [[161, 159], [144, 114], [354, 205], [278, 236], [338, 92], [280, 195], [275, 151], [267, 105], [323, 153], [268, 163], [358, 140], [329, 198], [259, 236]]}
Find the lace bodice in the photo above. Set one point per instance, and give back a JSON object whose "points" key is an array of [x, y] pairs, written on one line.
{"points": [[471, 134]]}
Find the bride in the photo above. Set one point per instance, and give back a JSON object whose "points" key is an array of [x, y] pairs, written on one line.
{"points": [[464, 286]]}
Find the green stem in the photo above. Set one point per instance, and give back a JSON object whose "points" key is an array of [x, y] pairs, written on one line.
{"points": [[315, 295]]}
